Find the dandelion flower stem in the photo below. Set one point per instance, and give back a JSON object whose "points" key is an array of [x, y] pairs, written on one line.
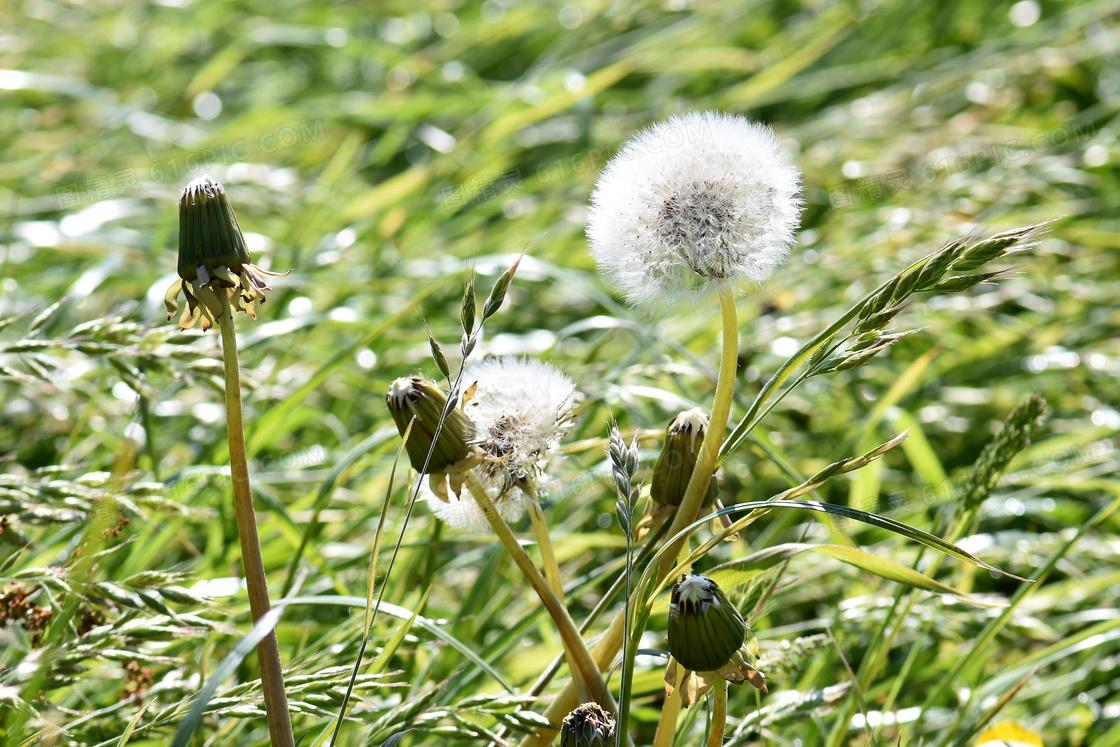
{"points": [[611, 641], [585, 672], [548, 555], [670, 712], [719, 713], [268, 651], [709, 450]]}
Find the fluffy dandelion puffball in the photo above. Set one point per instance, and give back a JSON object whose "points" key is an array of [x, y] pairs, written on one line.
{"points": [[693, 205], [520, 410]]}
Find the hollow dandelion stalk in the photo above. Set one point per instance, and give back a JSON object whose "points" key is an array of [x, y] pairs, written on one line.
{"points": [[585, 672], [681, 224], [216, 276]]}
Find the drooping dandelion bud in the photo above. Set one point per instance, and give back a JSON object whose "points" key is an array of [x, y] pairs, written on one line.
{"points": [[520, 410], [708, 638], [705, 630], [588, 726], [678, 459], [694, 205], [213, 258], [413, 396]]}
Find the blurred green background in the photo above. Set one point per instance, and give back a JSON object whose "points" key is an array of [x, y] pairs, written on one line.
{"points": [[383, 151]]}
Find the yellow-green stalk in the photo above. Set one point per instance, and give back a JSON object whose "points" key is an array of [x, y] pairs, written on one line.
{"points": [[585, 670]]}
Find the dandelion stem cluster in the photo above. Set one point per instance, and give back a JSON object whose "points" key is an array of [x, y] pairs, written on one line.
{"points": [[704, 219]]}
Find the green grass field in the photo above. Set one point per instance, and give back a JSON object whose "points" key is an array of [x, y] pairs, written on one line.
{"points": [[385, 152]]}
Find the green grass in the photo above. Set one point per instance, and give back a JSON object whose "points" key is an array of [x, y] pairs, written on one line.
{"points": [[360, 146]]}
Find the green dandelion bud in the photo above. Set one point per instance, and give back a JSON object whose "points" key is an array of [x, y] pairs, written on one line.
{"points": [[414, 396], [708, 640], [209, 236], [705, 630], [674, 466], [213, 258], [587, 726]]}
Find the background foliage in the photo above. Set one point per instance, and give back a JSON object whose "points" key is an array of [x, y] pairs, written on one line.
{"points": [[383, 151]]}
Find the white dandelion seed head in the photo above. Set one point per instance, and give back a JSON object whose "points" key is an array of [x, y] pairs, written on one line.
{"points": [[520, 410], [463, 514], [694, 205]]}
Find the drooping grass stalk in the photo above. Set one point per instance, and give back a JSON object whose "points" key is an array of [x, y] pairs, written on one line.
{"points": [[611, 641], [268, 651], [548, 555], [584, 670], [963, 255], [719, 713]]}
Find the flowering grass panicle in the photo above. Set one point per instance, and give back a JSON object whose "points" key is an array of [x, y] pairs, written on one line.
{"points": [[694, 205], [520, 409]]}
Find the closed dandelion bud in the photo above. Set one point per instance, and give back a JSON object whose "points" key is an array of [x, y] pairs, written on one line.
{"points": [[674, 466], [587, 726], [705, 630], [209, 236], [413, 396], [213, 258], [708, 640]]}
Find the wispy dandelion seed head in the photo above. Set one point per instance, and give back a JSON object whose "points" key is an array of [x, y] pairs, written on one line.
{"points": [[520, 411], [693, 205]]}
